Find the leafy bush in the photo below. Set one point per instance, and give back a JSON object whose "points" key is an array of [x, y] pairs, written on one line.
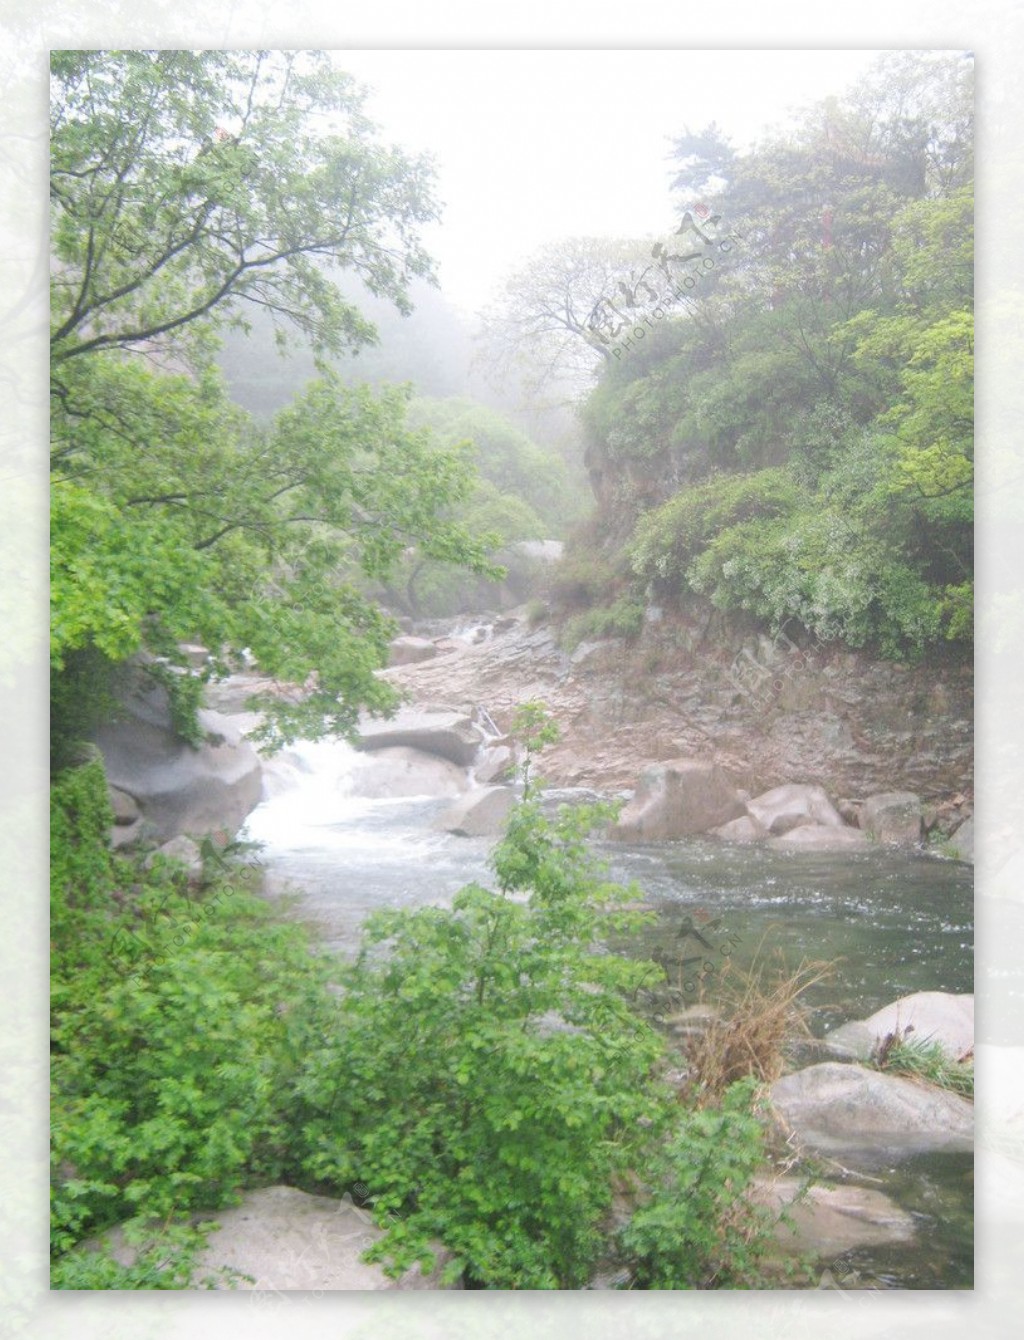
{"points": [[484, 1072], [492, 1077], [583, 577], [180, 1018], [623, 618], [667, 540], [699, 1229]]}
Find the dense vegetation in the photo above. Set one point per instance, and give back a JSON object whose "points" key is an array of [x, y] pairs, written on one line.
{"points": [[483, 1072], [793, 440], [200, 1044], [188, 189]]}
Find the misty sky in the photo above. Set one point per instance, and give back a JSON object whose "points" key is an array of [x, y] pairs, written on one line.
{"points": [[533, 146]]}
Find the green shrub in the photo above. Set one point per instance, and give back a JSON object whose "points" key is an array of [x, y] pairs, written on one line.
{"points": [[699, 1229], [180, 1019], [493, 1078], [624, 618], [668, 539]]}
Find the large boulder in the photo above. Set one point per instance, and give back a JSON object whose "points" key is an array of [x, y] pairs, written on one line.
{"points": [[435, 730], [893, 816], [496, 763], [791, 806], [482, 813], [837, 1106], [744, 829], [935, 1016], [679, 798], [410, 650], [177, 787], [127, 818], [281, 1239], [390, 773], [828, 1220], [821, 837]]}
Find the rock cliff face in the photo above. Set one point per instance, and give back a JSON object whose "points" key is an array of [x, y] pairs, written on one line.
{"points": [[837, 719]]}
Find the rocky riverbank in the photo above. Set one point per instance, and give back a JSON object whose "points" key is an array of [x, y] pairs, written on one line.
{"points": [[837, 720]]}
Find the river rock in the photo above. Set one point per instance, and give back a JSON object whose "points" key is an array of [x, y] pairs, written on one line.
{"points": [[482, 813], [411, 650], [936, 1016], [283, 1239], [399, 771], [183, 850], [677, 799], [127, 818], [790, 806], [434, 730], [837, 1106], [744, 829], [494, 763], [893, 816], [829, 1219], [821, 837], [178, 788]]}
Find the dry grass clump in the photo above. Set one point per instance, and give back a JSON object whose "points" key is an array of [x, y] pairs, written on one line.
{"points": [[761, 1010]]}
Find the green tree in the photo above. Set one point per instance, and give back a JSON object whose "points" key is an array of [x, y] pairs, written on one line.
{"points": [[187, 189]]}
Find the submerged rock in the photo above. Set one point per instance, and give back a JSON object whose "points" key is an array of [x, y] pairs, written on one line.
{"points": [[482, 813], [787, 807], [821, 837]]}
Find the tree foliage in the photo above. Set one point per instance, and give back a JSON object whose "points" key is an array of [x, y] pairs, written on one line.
{"points": [[188, 189], [833, 362]]}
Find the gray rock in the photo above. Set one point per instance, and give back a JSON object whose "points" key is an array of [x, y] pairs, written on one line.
{"points": [[411, 650], [829, 1219], [435, 730], [483, 813], [181, 849], [744, 829], [790, 806], [125, 807], [495, 763], [677, 799], [935, 1016], [821, 837], [282, 1239], [837, 1106], [400, 771], [893, 816], [178, 788]]}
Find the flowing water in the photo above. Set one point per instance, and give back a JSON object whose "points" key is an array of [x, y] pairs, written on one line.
{"points": [[896, 922]]}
